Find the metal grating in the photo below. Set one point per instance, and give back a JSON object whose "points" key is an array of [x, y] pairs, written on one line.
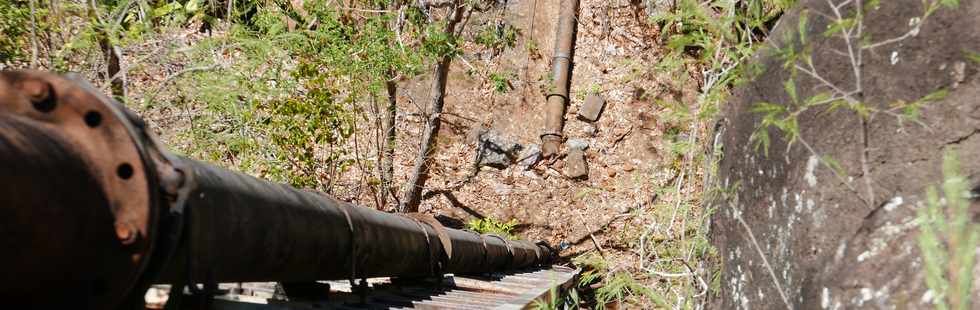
{"points": [[498, 291]]}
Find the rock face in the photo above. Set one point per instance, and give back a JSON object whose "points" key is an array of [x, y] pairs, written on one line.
{"points": [[791, 232]]}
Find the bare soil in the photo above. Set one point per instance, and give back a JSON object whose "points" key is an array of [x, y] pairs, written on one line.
{"points": [[614, 55]]}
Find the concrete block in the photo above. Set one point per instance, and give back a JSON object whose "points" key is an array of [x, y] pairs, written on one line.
{"points": [[575, 166], [592, 108]]}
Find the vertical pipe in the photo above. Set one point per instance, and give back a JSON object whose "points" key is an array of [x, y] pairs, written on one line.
{"points": [[557, 97]]}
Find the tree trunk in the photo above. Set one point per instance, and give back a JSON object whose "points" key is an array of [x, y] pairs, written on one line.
{"points": [[388, 149], [34, 44], [112, 59], [413, 193], [111, 54]]}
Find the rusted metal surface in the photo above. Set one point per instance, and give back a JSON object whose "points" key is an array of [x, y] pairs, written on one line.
{"points": [[243, 229], [93, 128], [513, 290], [77, 202], [98, 211], [557, 97]]}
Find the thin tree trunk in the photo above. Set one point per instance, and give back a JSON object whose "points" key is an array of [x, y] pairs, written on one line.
{"points": [[112, 54], [413, 193], [388, 150], [47, 33], [112, 57], [34, 44]]}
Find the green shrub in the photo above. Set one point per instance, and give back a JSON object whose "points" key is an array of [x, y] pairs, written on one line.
{"points": [[14, 15], [491, 226], [948, 239]]}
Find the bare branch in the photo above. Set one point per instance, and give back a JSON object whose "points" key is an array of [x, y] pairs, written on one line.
{"points": [[897, 39], [812, 73], [865, 170], [826, 164], [855, 64], [765, 261]]}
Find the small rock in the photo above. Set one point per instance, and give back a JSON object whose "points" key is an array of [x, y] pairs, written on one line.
{"points": [[501, 189], [529, 156], [495, 151], [592, 108], [628, 167], [590, 130], [575, 166], [611, 49], [579, 144], [959, 73], [612, 173]]}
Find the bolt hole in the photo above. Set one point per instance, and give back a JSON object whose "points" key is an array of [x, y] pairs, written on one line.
{"points": [[40, 93], [93, 119], [125, 171], [45, 106]]}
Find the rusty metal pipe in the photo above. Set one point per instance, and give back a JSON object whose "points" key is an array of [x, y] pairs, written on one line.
{"points": [[243, 229], [98, 211], [558, 94]]}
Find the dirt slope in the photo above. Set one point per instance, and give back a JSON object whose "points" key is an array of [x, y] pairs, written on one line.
{"points": [[613, 57]]}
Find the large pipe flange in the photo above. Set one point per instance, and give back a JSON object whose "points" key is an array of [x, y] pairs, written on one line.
{"points": [[80, 214]]}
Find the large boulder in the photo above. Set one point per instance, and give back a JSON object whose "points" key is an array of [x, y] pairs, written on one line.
{"points": [[793, 233]]}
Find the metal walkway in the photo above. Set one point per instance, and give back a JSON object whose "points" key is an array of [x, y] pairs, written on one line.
{"points": [[516, 290]]}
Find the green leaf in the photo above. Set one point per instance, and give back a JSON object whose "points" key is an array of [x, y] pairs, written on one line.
{"points": [[768, 108], [790, 88], [836, 104], [803, 25], [760, 139], [166, 9], [934, 96], [834, 165], [791, 129], [871, 5], [975, 57], [192, 5], [839, 26], [818, 99]]}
